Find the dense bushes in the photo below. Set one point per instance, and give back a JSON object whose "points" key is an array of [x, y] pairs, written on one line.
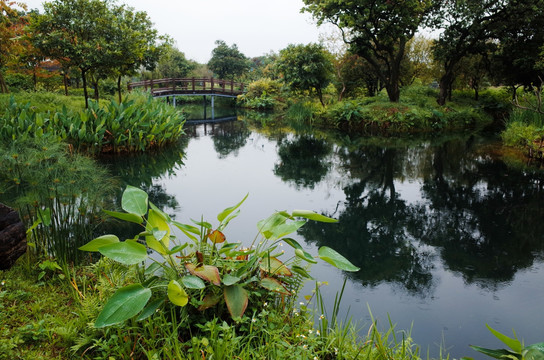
{"points": [[133, 125]]}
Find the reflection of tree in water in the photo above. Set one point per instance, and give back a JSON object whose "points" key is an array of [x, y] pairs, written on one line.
{"points": [[485, 218], [371, 231], [303, 160], [228, 137]]}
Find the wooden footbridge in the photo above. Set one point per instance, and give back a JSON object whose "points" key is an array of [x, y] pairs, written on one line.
{"points": [[189, 87]]}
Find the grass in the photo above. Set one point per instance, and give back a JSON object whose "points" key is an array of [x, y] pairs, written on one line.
{"points": [[34, 326]]}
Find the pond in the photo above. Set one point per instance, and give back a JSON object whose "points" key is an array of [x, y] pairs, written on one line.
{"points": [[449, 237]]}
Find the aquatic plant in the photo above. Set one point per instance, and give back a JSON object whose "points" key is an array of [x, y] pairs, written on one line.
{"points": [[207, 272]]}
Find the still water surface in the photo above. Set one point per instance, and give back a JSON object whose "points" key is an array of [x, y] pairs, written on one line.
{"points": [[448, 236]]}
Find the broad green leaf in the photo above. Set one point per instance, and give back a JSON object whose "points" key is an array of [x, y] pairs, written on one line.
{"points": [[310, 215], [124, 304], [150, 309], [176, 294], [497, 353], [216, 237], [335, 259], [228, 279], [223, 214], [293, 243], [534, 352], [305, 256], [205, 272], [134, 201], [130, 217], [164, 215], [188, 228], [193, 282], [301, 271], [277, 226], [274, 266], [152, 268], [513, 344], [126, 252], [156, 245], [100, 241], [156, 224], [236, 298], [209, 301], [274, 285]]}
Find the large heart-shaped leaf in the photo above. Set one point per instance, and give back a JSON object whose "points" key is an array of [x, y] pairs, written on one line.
{"points": [[209, 301], [274, 266], [278, 225], [134, 201], [176, 294], [150, 309], [158, 226], [205, 272], [99, 242], [126, 252], [130, 217], [228, 279], [335, 259], [274, 285], [124, 304], [534, 351], [310, 215], [237, 299]]}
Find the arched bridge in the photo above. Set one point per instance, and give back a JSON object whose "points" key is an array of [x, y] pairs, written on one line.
{"points": [[189, 86]]}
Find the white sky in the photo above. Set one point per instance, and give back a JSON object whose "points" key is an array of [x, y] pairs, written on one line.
{"points": [[256, 26]]}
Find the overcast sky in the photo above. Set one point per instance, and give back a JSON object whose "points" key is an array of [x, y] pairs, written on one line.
{"points": [[256, 26]]}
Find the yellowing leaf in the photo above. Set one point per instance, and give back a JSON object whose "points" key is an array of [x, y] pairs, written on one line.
{"points": [[274, 285], [176, 294], [216, 237], [205, 272], [274, 266]]}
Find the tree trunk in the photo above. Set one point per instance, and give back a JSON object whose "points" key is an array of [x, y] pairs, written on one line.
{"points": [[12, 237], [445, 85], [3, 87], [119, 88], [393, 91], [85, 89], [320, 94]]}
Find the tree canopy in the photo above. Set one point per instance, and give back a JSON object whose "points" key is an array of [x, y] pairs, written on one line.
{"points": [[228, 62], [378, 31]]}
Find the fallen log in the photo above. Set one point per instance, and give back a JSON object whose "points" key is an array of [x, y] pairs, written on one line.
{"points": [[12, 237]]}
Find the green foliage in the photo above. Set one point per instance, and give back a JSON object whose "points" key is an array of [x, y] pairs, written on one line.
{"points": [[516, 351], [306, 67], [132, 125], [215, 274], [228, 62], [525, 131], [58, 194]]}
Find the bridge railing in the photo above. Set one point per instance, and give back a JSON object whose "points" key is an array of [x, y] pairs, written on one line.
{"points": [[169, 86]]}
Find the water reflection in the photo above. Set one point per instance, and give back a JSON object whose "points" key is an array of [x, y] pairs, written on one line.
{"points": [[303, 160]]}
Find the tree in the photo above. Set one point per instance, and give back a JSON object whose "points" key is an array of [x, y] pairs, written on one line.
{"points": [[227, 62], [75, 32], [11, 27], [174, 64], [378, 31], [470, 26], [306, 67]]}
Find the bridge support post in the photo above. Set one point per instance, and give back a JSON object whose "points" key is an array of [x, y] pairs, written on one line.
{"points": [[213, 110], [174, 101]]}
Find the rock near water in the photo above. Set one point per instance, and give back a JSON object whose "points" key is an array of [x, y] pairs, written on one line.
{"points": [[12, 237]]}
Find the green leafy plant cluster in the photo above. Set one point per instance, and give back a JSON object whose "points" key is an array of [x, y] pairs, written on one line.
{"points": [[57, 194], [262, 94], [207, 272], [516, 349], [132, 125]]}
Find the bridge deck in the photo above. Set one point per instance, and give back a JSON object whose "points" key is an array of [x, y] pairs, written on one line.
{"points": [[189, 86]]}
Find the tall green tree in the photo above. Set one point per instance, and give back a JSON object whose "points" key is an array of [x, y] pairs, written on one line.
{"points": [[376, 30], [174, 64], [228, 62], [76, 32], [306, 67], [471, 26]]}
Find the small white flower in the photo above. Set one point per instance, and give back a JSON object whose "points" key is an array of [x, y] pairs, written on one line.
{"points": [[265, 304], [316, 358], [302, 336], [281, 244], [321, 317], [301, 303], [310, 331], [253, 320], [296, 314], [3, 283], [305, 347], [335, 351], [294, 292], [318, 332]]}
